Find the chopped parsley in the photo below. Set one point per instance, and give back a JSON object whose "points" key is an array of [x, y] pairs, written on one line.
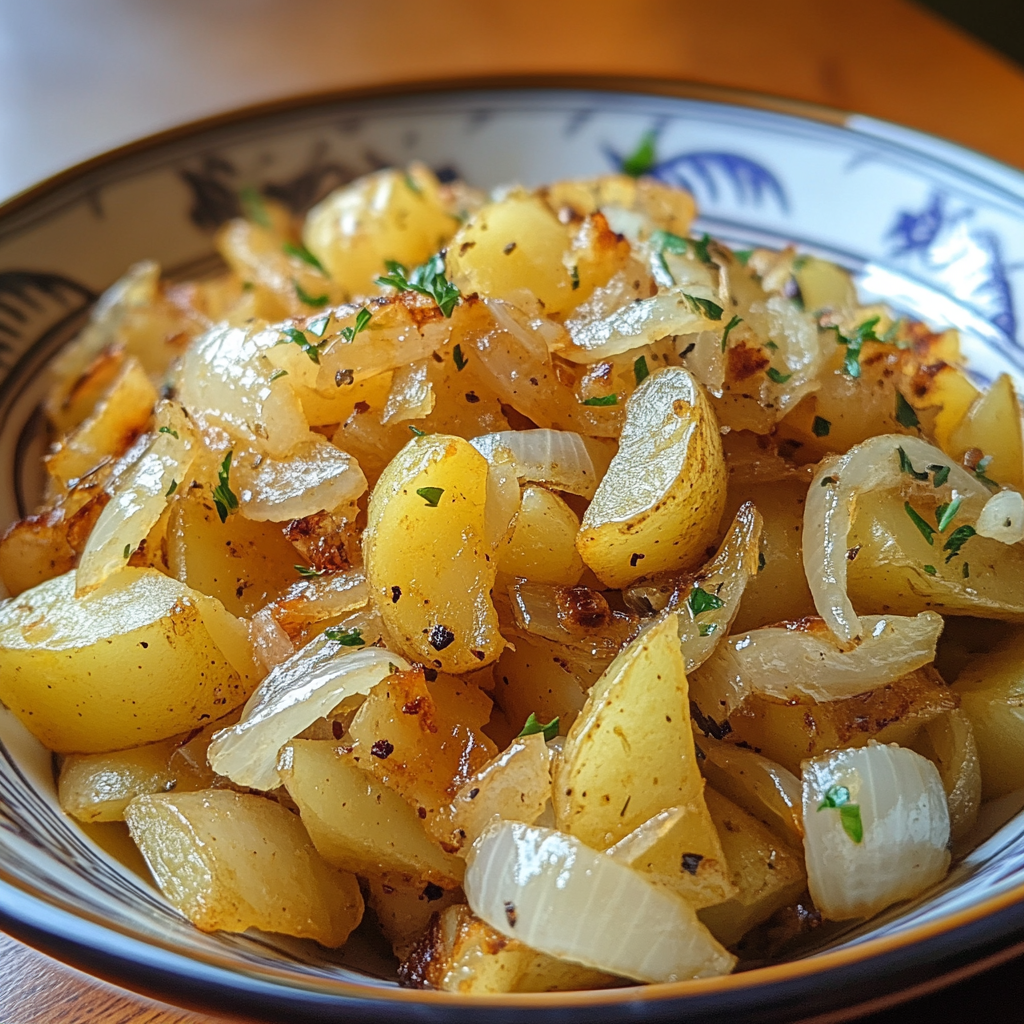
{"points": [[926, 531], [574, 276], [905, 415], [640, 371], [363, 318], [431, 495], [945, 512], [316, 301], [643, 158], [940, 474], [459, 359], [838, 797], [864, 332], [661, 272], [734, 322], [700, 249], [292, 335], [346, 637], [957, 539], [253, 207], [127, 550], [821, 427], [981, 469], [966, 570], [170, 490], [701, 601], [308, 572], [906, 466], [703, 307], [410, 184], [706, 628], [771, 346], [277, 375], [602, 400], [300, 252], [775, 375], [427, 279], [931, 570], [223, 497], [743, 255], [417, 431], [168, 430], [533, 726], [319, 325], [665, 241]]}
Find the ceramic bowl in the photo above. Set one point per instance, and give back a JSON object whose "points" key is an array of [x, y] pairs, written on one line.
{"points": [[932, 228]]}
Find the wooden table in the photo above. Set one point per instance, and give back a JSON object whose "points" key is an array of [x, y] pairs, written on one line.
{"points": [[154, 64]]}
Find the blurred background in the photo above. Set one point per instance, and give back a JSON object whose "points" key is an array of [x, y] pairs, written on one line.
{"points": [[80, 76]]}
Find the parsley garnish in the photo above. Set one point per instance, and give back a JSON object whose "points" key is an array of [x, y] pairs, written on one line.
{"points": [[417, 431], [253, 207], [966, 570], [864, 332], [170, 490], [602, 400], [931, 570], [706, 628], [363, 318], [431, 495], [427, 279], [661, 265], [643, 158], [319, 325], [905, 415], [316, 301], [838, 797], [167, 430], [944, 513], [663, 241], [981, 468], [734, 322], [308, 572], [459, 359], [574, 276], [296, 337], [777, 376], [346, 637], [701, 601], [906, 466], [277, 374], [127, 550], [743, 255], [700, 249], [771, 346], [300, 252], [926, 531], [957, 539], [640, 371], [223, 497], [703, 307], [411, 185], [940, 474], [533, 726], [821, 427]]}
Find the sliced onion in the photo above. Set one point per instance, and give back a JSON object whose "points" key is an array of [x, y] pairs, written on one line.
{"points": [[557, 458], [803, 659], [558, 896], [323, 597], [411, 396], [538, 335], [629, 849], [271, 645], [1002, 518], [318, 477], [831, 507], [514, 786], [901, 805], [307, 686], [502, 501], [948, 742], [139, 498]]}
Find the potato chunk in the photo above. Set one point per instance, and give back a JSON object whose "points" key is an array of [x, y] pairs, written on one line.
{"points": [[429, 560], [141, 658], [231, 861], [543, 548], [660, 503]]}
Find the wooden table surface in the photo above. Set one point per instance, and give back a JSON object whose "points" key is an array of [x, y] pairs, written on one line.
{"points": [[150, 64]]}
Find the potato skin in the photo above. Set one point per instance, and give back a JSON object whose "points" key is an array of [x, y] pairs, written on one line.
{"points": [[660, 503], [129, 663]]}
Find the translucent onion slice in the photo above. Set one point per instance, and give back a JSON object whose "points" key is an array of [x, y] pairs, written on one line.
{"points": [[890, 842], [832, 504], [139, 498], [1002, 518], [318, 477], [557, 458], [411, 396], [514, 786], [803, 659], [307, 686], [629, 849], [948, 742], [271, 645], [558, 896]]}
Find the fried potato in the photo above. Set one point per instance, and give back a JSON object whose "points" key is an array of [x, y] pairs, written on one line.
{"points": [[543, 548], [404, 912], [993, 425], [232, 861], [141, 658], [660, 503]]}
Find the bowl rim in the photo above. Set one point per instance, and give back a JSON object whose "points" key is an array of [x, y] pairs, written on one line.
{"points": [[931, 954]]}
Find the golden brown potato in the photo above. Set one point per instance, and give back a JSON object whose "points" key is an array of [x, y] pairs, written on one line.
{"points": [[404, 912], [993, 426], [543, 548], [232, 861], [141, 658]]}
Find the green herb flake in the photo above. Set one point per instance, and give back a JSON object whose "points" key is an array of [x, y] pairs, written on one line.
{"points": [[316, 301], [640, 371], [940, 474], [345, 637], [431, 495], [775, 375], [459, 359], [643, 158], [906, 466], [821, 427], [703, 307], [700, 249], [835, 796], [574, 276], [661, 269], [905, 415], [926, 531], [966, 570], [308, 572], [957, 539], [743, 255], [931, 570], [734, 322], [223, 497], [665, 241], [277, 375], [363, 318], [127, 550], [771, 346], [701, 601], [170, 490], [300, 252], [706, 628], [292, 335], [167, 430], [944, 513], [602, 400], [428, 279], [838, 797], [980, 471], [247, 286], [533, 726], [319, 325], [253, 207], [417, 432], [410, 184]]}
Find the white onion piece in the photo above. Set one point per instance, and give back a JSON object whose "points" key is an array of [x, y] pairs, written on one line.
{"points": [[139, 498], [502, 501], [629, 849], [514, 786], [411, 396], [557, 458], [803, 659], [538, 335], [1002, 518], [905, 822], [322, 597], [307, 686], [271, 645], [831, 508], [318, 477], [562, 898]]}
